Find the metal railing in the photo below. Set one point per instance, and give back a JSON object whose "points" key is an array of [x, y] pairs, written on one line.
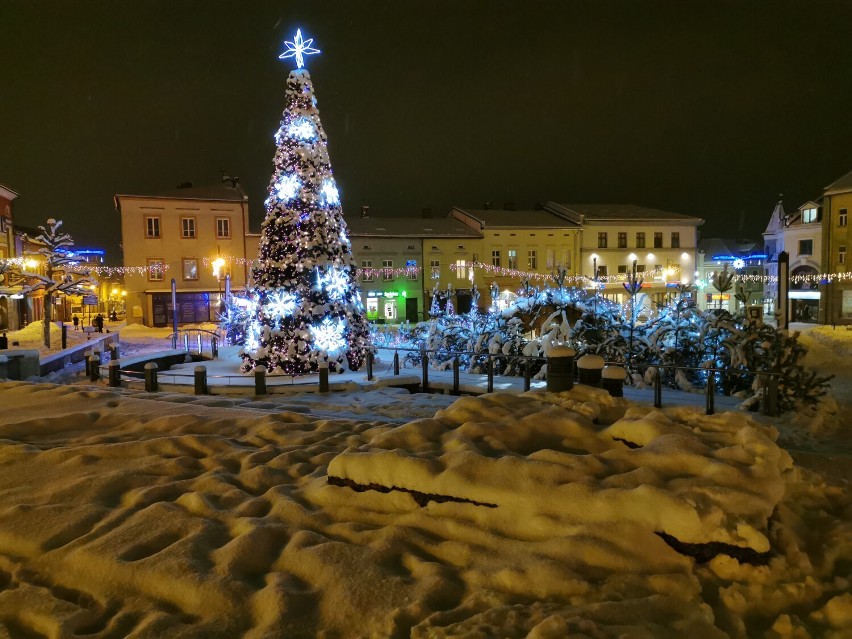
{"points": [[197, 338]]}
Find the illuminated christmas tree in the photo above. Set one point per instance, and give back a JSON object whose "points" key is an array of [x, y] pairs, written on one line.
{"points": [[308, 306]]}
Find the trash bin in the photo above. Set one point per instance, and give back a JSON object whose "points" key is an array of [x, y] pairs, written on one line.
{"points": [[612, 380], [590, 368], [560, 369]]}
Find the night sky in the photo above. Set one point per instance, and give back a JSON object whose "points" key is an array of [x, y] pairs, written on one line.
{"points": [[709, 109]]}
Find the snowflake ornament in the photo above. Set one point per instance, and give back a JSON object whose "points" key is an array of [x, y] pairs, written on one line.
{"points": [[334, 282], [328, 336], [330, 193], [301, 129], [282, 304], [288, 187]]}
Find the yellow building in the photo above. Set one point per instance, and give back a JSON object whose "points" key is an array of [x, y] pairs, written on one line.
{"points": [[514, 242], [179, 235], [836, 240]]}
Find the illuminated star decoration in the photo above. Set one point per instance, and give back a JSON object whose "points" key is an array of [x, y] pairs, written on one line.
{"points": [[739, 263], [334, 281], [288, 187], [297, 48], [328, 336], [330, 193]]}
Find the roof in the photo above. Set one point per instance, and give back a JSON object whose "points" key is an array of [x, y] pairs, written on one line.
{"points": [[840, 184], [621, 213], [776, 220], [8, 193], [727, 246], [410, 227], [503, 219], [224, 192]]}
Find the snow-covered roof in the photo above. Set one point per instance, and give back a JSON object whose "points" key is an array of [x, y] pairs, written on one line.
{"points": [[840, 184], [776, 220], [621, 213], [224, 192], [8, 193], [727, 246], [410, 227], [503, 219]]}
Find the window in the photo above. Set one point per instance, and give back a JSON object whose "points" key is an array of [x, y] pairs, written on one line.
{"points": [[675, 240], [495, 258], [658, 239], [532, 260], [152, 226], [187, 227], [640, 239], [366, 276], [806, 247], [156, 269], [459, 268], [602, 271], [841, 255], [223, 227], [550, 258], [640, 268], [622, 239], [189, 267], [622, 268], [387, 273], [435, 268], [566, 258], [602, 239], [841, 217], [411, 265], [809, 215], [513, 258]]}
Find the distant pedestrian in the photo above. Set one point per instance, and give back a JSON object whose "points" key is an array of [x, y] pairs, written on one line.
{"points": [[99, 322], [4, 341], [114, 316], [76, 321]]}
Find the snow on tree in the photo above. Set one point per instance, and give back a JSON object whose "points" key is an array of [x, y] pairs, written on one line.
{"points": [[308, 305], [61, 274]]}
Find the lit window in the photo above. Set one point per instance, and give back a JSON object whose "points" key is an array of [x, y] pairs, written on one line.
{"points": [[435, 268], [190, 268], [412, 266], [841, 217], [550, 258], [156, 269], [152, 226], [841, 255], [532, 260], [366, 276], [460, 268], [187, 227], [387, 266], [809, 215], [495, 258], [223, 227], [513, 259]]}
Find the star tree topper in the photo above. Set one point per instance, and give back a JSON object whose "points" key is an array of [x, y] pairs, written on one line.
{"points": [[298, 48]]}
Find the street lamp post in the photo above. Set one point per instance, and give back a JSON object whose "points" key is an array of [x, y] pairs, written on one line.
{"points": [[218, 265]]}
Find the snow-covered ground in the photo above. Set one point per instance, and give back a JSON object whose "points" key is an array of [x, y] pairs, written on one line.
{"points": [[130, 514]]}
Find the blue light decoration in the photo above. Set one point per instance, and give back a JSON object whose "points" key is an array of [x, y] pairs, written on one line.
{"points": [[328, 336], [288, 187], [302, 129], [252, 336], [330, 193], [282, 304], [334, 282], [298, 48]]}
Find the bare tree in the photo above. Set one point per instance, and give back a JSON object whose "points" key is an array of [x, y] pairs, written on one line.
{"points": [[61, 275]]}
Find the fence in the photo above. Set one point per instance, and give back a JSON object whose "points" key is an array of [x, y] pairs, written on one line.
{"points": [[197, 338]]}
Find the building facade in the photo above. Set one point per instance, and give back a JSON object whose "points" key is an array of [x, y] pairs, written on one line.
{"points": [[836, 240], [194, 235], [10, 297], [744, 258]]}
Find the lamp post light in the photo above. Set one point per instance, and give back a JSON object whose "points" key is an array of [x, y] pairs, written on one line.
{"points": [[218, 266], [595, 282]]}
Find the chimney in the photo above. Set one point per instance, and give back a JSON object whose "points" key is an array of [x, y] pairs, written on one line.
{"points": [[426, 213], [365, 211], [508, 206]]}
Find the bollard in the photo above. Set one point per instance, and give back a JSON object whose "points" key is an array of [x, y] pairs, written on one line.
{"points": [[94, 368], [612, 380], [64, 336], [560, 369], [113, 352], [86, 356], [198, 342], [424, 360], [396, 363], [591, 367], [711, 391], [490, 370], [151, 377], [260, 380], [323, 380], [527, 374], [186, 342], [370, 365], [456, 375], [772, 397], [200, 373], [214, 346], [658, 389], [114, 373]]}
